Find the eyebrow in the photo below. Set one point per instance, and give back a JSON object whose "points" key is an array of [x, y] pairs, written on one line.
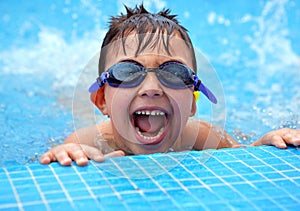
{"points": [[138, 63]]}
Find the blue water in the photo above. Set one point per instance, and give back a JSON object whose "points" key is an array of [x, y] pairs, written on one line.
{"points": [[254, 47]]}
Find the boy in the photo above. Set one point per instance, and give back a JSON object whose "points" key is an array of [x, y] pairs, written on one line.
{"points": [[147, 77]]}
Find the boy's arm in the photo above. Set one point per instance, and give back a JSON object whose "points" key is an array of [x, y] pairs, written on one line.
{"points": [[212, 137], [280, 138], [79, 146]]}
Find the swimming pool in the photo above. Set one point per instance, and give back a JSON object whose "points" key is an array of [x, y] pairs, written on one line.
{"points": [[254, 48]]}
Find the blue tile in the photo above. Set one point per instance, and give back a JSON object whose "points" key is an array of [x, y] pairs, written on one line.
{"points": [[233, 179], [204, 195], [223, 172], [92, 176], [102, 191], [23, 182], [242, 205], [124, 188], [266, 203], [5, 186], [74, 185], [263, 169], [282, 167], [287, 184], [30, 196], [211, 181], [218, 206], [182, 197], [139, 206], [235, 165], [9, 208], [253, 177], [34, 207], [86, 204], [48, 187], [27, 190], [74, 194], [45, 180], [7, 199], [190, 183], [155, 195], [20, 174], [195, 167], [273, 175], [128, 197], [261, 185], [54, 196], [203, 174], [167, 184], [111, 201], [163, 204], [61, 205], [226, 193], [248, 191], [274, 192], [145, 184]]}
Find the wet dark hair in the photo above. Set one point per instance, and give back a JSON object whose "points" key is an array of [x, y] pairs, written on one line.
{"points": [[141, 21]]}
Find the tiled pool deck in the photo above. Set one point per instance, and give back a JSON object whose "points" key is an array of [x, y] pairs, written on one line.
{"points": [[256, 178]]}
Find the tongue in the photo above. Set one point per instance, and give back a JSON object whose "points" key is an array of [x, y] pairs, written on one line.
{"points": [[150, 123]]}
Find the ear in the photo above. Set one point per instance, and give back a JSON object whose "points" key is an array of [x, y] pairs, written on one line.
{"points": [[98, 98]]}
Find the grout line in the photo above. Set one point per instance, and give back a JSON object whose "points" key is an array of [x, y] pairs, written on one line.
{"points": [[293, 167], [19, 203], [176, 180], [226, 183], [284, 176], [87, 186], [44, 200], [69, 198], [156, 183], [259, 173], [116, 193]]}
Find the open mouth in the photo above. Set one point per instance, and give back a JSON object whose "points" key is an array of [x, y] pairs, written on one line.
{"points": [[150, 126]]}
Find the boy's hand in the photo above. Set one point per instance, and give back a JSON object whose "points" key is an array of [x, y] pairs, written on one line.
{"points": [[80, 153], [280, 138]]}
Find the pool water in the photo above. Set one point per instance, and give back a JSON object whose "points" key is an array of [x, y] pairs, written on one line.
{"points": [[253, 47]]}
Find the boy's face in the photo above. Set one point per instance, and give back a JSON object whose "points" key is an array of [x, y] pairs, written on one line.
{"points": [[150, 117]]}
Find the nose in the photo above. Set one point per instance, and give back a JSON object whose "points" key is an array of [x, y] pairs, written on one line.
{"points": [[151, 86]]}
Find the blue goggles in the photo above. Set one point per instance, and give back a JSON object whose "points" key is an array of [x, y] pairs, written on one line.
{"points": [[171, 74]]}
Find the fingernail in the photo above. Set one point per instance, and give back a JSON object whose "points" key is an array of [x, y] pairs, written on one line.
{"points": [[99, 158], [66, 161]]}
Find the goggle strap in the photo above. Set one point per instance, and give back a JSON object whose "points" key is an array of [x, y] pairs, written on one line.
{"points": [[199, 86], [208, 93], [100, 81]]}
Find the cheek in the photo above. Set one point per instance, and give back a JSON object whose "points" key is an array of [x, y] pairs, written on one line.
{"points": [[182, 100], [118, 101]]}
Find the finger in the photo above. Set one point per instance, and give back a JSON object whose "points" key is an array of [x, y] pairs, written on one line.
{"points": [[236, 146], [118, 153], [62, 156], [79, 157], [76, 153], [93, 153], [47, 158], [292, 137], [277, 141]]}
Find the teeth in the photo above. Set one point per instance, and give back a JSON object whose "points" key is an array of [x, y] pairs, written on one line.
{"points": [[150, 113], [149, 137]]}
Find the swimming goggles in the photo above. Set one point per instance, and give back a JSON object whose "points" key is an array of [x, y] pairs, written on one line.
{"points": [[171, 74]]}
